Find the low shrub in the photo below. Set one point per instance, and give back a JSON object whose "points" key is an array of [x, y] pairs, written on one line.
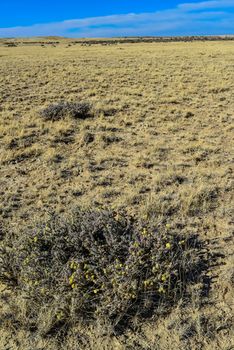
{"points": [[98, 265], [77, 110]]}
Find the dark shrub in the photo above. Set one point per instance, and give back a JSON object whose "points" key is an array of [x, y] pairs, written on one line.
{"points": [[98, 265], [79, 110]]}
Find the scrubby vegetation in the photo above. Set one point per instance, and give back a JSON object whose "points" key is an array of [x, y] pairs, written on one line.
{"points": [[79, 110], [98, 265]]}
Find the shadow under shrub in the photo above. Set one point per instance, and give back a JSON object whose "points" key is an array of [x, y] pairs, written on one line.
{"points": [[97, 265], [77, 110]]}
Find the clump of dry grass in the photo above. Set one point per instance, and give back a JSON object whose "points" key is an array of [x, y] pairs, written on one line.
{"points": [[98, 265], [77, 110]]}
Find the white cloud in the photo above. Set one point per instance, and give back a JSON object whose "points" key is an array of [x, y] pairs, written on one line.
{"points": [[206, 17], [206, 5]]}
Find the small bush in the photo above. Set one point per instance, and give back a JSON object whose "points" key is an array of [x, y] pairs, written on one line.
{"points": [[77, 110], [98, 265]]}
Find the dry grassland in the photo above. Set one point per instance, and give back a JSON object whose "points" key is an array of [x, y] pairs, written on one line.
{"points": [[159, 143]]}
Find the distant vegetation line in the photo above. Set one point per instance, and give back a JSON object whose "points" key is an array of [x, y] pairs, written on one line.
{"points": [[111, 41]]}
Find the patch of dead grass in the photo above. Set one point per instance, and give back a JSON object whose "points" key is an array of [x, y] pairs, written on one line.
{"points": [[162, 127]]}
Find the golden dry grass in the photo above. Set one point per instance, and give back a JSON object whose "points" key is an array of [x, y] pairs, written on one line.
{"points": [[162, 144]]}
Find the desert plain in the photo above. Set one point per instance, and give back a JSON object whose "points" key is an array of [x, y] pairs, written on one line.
{"points": [[159, 144]]}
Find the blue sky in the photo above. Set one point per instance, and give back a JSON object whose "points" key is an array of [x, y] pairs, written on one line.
{"points": [[74, 18]]}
